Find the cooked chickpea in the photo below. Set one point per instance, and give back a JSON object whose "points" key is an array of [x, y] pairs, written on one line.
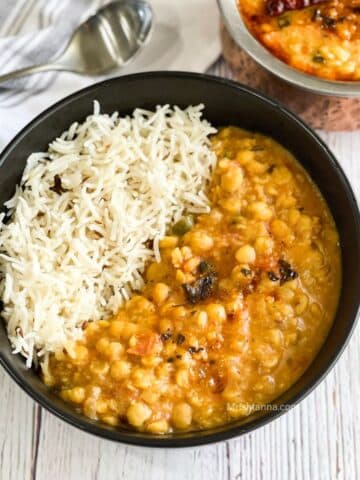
{"points": [[186, 360], [182, 415], [241, 274], [77, 394], [182, 377], [231, 181], [103, 324], [276, 336], [304, 224], [166, 324], [267, 356], [256, 168], [200, 242], [60, 355], [128, 330], [231, 205], [301, 304], [237, 409], [179, 312], [89, 408], [285, 201], [246, 254], [102, 345], [120, 369], [116, 328], [285, 310], [154, 272], [81, 354], [233, 306], [186, 253], [99, 367], [169, 242], [142, 378], [151, 361], [285, 293], [150, 397], [133, 341], [161, 426], [238, 345], [291, 338], [177, 257], [163, 370], [281, 230], [202, 319], [110, 420], [191, 264], [293, 216], [266, 385], [115, 350], [138, 413], [264, 245], [101, 406], [160, 293], [92, 328], [180, 277], [224, 164], [261, 211], [281, 175], [216, 312], [315, 309], [245, 156]]}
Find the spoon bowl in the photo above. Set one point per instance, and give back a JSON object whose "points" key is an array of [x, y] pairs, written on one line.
{"points": [[104, 42], [108, 39]]}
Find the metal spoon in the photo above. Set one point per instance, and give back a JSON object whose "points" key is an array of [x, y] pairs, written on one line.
{"points": [[104, 42]]}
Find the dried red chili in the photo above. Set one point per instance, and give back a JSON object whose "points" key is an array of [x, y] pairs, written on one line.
{"points": [[277, 7]]}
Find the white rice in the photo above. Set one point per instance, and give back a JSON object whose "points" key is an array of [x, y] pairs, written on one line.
{"points": [[74, 256]]}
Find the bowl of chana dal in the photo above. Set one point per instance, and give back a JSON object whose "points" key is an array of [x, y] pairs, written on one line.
{"points": [[312, 44], [246, 284]]}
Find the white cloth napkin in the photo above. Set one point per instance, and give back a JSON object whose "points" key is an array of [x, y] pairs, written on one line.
{"points": [[185, 37]]}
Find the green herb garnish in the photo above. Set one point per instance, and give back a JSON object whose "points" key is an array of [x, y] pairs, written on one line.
{"points": [[318, 58], [283, 22]]}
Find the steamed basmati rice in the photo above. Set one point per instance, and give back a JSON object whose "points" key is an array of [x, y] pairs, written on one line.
{"points": [[85, 214]]}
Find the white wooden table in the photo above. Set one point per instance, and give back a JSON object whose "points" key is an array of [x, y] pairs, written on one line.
{"points": [[318, 439]]}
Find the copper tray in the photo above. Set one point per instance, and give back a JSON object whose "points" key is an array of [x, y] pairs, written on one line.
{"points": [[320, 111]]}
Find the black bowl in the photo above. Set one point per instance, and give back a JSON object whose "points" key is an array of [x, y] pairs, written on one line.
{"points": [[225, 103]]}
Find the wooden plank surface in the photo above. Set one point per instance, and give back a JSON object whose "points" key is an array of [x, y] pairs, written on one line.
{"points": [[318, 440]]}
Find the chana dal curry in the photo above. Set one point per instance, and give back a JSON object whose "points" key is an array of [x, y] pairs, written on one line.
{"points": [[321, 38], [231, 316]]}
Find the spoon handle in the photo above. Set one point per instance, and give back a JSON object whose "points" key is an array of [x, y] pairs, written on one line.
{"points": [[30, 70]]}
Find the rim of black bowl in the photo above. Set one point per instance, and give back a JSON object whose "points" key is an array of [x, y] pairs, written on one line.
{"points": [[204, 437]]}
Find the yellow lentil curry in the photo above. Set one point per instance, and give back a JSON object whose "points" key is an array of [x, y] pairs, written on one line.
{"points": [[233, 314], [322, 39]]}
